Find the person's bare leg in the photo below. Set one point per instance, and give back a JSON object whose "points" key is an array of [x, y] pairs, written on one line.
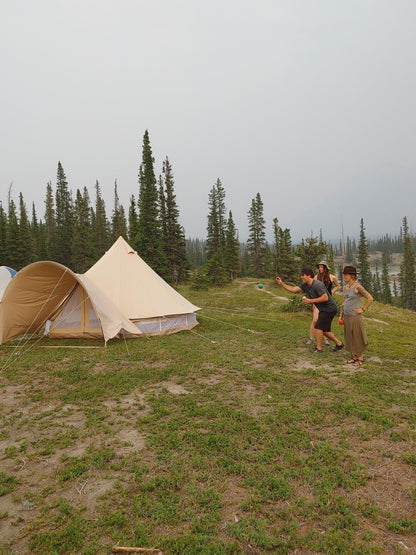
{"points": [[315, 314], [319, 339], [332, 337]]}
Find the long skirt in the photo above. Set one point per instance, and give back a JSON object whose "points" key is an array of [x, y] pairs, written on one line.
{"points": [[355, 337]]}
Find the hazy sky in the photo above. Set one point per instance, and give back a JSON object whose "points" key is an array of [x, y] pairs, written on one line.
{"points": [[311, 103]]}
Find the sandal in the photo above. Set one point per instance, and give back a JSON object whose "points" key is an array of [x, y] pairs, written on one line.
{"points": [[359, 361], [351, 361]]}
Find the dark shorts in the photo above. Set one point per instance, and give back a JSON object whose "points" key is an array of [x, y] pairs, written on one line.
{"points": [[324, 320]]}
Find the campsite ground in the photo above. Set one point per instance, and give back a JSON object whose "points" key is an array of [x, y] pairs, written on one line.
{"points": [[233, 439]]}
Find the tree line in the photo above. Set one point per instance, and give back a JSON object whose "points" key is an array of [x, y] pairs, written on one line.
{"points": [[76, 232]]}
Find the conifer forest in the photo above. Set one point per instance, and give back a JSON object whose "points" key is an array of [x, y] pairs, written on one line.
{"points": [[76, 228]]}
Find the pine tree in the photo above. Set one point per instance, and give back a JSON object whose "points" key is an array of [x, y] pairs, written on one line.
{"points": [[133, 221], [284, 263], [256, 243], [24, 247], [3, 237], [386, 296], [38, 237], [174, 243], [62, 245], [310, 251], [82, 245], [100, 225], [231, 249], [216, 220], [50, 223], [215, 243], [162, 212], [376, 284], [12, 236], [118, 221], [407, 276], [362, 262], [149, 238]]}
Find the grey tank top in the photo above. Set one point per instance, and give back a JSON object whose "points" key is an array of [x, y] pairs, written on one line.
{"points": [[351, 300]]}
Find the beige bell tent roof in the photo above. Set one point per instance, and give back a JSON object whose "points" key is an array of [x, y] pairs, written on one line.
{"points": [[40, 292], [134, 287]]}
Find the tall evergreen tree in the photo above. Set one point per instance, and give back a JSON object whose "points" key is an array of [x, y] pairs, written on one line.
{"points": [[216, 220], [24, 247], [12, 236], [50, 223], [386, 296], [376, 284], [284, 264], [215, 243], [118, 221], [100, 225], [362, 262], [310, 251], [407, 276], [38, 237], [174, 243], [256, 243], [63, 216], [82, 245], [231, 249], [162, 212], [3, 237], [149, 238], [133, 221]]}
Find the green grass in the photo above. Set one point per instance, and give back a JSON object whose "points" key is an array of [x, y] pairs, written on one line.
{"points": [[231, 439]]}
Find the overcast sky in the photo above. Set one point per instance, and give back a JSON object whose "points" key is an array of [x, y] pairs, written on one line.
{"points": [[311, 103]]}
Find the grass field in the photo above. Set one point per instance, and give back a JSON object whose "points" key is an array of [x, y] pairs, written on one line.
{"points": [[232, 439]]}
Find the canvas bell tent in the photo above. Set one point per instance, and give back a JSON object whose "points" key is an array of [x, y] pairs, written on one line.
{"points": [[140, 293], [6, 275], [119, 296]]}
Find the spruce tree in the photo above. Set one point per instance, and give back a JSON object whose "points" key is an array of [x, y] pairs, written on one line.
{"points": [[118, 220], [50, 223], [376, 284], [215, 243], [362, 259], [386, 296], [162, 213], [231, 249], [24, 246], [62, 245], [216, 220], [149, 238], [310, 251], [12, 237], [407, 276], [256, 243], [100, 225], [133, 221], [174, 243], [3, 237], [38, 236], [284, 263], [82, 244]]}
